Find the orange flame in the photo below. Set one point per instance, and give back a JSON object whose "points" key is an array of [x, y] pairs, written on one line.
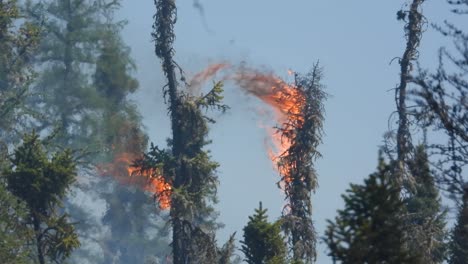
{"points": [[287, 102], [198, 79], [285, 99], [151, 181]]}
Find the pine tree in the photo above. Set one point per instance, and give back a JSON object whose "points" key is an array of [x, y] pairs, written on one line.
{"points": [[425, 220], [370, 228], [459, 242], [42, 184], [263, 242]]}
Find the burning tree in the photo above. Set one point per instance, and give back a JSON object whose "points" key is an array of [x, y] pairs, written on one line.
{"points": [[187, 167], [301, 133], [299, 110]]}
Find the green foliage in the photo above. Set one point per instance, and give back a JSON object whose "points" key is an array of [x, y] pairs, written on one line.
{"points": [[112, 76], [425, 221], [191, 172], [42, 182], [70, 44], [14, 234], [226, 252], [17, 42], [213, 99], [304, 131], [370, 227], [263, 242], [459, 240], [119, 126]]}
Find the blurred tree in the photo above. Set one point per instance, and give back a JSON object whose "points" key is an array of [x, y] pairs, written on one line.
{"points": [[119, 128], [68, 50], [129, 211], [370, 228], [86, 78], [17, 43], [42, 184], [226, 254], [14, 234], [459, 243], [135, 231], [263, 242]]}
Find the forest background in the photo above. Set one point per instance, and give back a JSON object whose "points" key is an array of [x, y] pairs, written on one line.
{"points": [[357, 44]]}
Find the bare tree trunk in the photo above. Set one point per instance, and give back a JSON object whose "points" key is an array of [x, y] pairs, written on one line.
{"points": [[413, 34]]}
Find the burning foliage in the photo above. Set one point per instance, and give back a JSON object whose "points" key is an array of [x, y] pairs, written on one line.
{"points": [[299, 116], [125, 170]]}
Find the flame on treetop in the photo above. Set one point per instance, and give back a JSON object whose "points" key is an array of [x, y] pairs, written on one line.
{"points": [[286, 100]]}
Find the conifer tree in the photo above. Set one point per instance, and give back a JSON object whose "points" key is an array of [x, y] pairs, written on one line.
{"points": [[263, 242], [69, 47], [370, 228], [414, 20], [425, 220], [17, 43], [441, 99], [187, 166], [129, 217], [304, 131], [14, 234], [130, 213], [42, 183], [459, 240]]}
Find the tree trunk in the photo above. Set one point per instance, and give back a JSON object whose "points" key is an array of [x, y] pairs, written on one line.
{"points": [[413, 32], [37, 231], [164, 16]]}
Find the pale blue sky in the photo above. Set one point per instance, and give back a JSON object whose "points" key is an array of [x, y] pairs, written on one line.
{"points": [[354, 41]]}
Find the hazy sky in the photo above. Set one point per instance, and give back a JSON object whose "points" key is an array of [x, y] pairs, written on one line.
{"points": [[354, 41]]}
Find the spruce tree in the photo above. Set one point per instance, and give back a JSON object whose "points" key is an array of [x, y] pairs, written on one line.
{"points": [[440, 98], [425, 220], [370, 228], [263, 242], [296, 165], [15, 236], [69, 47], [18, 41], [187, 166], [459, 240], [42, 183]]}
